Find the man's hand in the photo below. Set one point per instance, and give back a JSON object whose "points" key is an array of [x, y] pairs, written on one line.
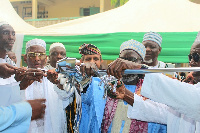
{"points": [[117, 67], [6, 70], [29, 76], [87, 69], [38, 108], [120, 91], [20, 73], [52, 76]]}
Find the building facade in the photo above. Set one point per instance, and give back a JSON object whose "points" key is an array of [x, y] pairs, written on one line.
{"points": [[45, 12]]}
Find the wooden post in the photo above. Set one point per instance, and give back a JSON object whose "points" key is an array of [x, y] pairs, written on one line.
{"points": [[34, 10], [102, 5]]}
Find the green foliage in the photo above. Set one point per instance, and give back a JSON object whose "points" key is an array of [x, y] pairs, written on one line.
{"points": [[118, 3]]}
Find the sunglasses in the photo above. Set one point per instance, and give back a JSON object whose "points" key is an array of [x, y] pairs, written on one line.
{"points": [[194, 56], [32, 55], [133, 59]]}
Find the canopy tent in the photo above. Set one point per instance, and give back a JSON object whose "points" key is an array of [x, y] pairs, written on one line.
{"points": [[134, 16], [8, 14], [176, 20]]}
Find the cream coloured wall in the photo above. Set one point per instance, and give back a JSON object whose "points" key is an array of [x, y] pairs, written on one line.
{"points": [[71, 8], [64, 8]]}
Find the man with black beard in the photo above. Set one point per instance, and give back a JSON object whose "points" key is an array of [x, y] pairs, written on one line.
{"points": [[115, 110], [152, 42]]}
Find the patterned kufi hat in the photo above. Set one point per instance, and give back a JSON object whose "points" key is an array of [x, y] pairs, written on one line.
{"points": [[57, 44], [134, 45], [89, 49], [38, 42], [153, 36]]}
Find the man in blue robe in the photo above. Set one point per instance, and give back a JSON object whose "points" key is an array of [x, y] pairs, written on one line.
{"points": [[92, 96]]}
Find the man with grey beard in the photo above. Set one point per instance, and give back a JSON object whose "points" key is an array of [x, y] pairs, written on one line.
{"points": [[152, 42]]}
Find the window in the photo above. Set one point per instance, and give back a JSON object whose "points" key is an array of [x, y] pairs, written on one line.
{"points": [[89, 11], [27, 12], [86, 11]]}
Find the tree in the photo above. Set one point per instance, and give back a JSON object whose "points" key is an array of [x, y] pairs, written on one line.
{"points": [[117, 3]]}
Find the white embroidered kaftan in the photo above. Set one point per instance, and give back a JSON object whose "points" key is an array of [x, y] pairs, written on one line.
{"points": [[54, 118], [182, 113]]}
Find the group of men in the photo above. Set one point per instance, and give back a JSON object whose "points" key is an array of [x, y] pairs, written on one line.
{"points": [[154, 103]]}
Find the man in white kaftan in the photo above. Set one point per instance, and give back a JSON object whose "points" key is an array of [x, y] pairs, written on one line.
{"points": [[54, 119], [13, 116], [181, 115]]}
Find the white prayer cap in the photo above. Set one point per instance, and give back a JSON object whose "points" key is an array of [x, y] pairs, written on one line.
{"points": [[3, 23], [36, 41], [57, 44]]}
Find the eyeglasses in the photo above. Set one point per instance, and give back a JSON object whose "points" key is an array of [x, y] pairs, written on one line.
{"points": [[133, 59], [194, 56], [32, 55]]}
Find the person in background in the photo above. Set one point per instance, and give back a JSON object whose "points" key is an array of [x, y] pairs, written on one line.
{"points": [[12, 56], [57, 52], [152, 42]]}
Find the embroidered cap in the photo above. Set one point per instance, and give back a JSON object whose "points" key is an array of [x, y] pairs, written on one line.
{"points": [[89, 49], [153, 36], [135, 45], [36, 41], [57, 44]]}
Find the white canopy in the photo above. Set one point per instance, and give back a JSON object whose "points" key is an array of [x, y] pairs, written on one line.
{"points": [[134, 16], [8, 14]]}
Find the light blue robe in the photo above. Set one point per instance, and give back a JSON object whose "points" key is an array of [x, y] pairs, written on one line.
{"points": [[93, 106], [15, 118]]}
